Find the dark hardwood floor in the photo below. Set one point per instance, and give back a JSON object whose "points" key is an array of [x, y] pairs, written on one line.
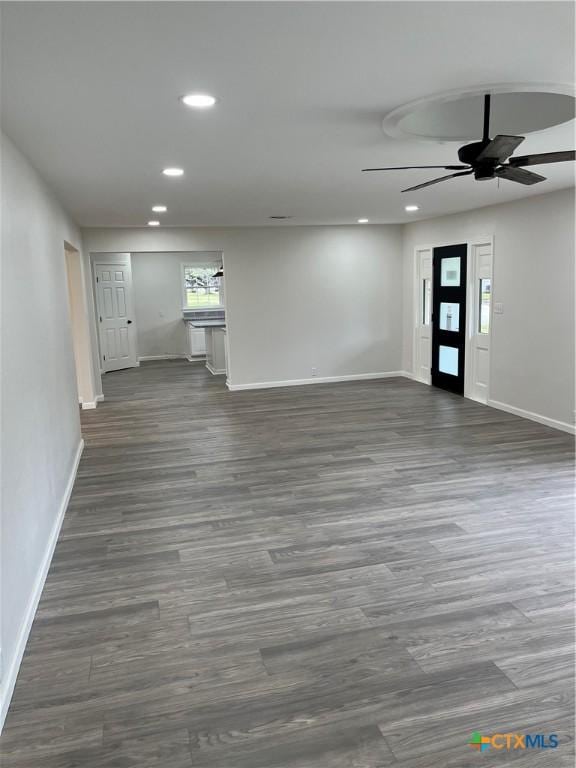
{"points": [[353, 575]]}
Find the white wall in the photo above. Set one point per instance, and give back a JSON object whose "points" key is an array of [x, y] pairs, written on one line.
{"points": [[157, 288], [532, 356], [40, 435], [297, 298]]}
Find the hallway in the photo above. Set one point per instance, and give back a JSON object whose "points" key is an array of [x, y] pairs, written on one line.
{"points": [[343, 575]]}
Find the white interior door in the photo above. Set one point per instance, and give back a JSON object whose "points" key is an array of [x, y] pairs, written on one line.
{"points": [[481, 289], [423, 319], [116, 325]]}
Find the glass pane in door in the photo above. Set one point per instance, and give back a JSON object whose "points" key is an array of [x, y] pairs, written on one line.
{"points": [[426, 300], [484, 305], [449, 316], [448, 360], [450, 272]]}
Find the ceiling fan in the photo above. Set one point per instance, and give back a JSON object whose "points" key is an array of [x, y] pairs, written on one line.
{"points": [[486, 159]]}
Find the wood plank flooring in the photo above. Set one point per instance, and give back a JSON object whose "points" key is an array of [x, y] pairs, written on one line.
{"points": [[354, 575]]}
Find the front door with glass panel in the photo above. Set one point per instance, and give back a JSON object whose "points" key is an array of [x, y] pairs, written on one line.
{"points": [[449, 317]]}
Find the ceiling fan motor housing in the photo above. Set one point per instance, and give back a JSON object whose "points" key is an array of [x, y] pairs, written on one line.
{"points": [[483, 169], [469, 152]]}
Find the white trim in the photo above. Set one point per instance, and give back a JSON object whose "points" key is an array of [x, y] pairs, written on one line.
{"points": [[418, 326], [217, 372], [315, 380], [144, 358], [472, 318], [9, 679], [413, 377], [554, 423], [91, 404], [211, 308]]}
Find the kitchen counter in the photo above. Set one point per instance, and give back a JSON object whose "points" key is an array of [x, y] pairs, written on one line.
{"points": [[207, 339], [216, 349], [207, 323]]}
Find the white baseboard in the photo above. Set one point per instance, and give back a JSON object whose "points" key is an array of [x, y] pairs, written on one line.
{"points": [[314, 380], [215, 371], [145, 358], [554, 423], [412, 377], [90, 404], [11, 673], [562, 425]]}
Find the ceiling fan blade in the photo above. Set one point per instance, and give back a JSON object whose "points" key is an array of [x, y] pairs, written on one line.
{"points": [[436, 181], [500, 148], [546, 157], [518, 174], [410, 167]]}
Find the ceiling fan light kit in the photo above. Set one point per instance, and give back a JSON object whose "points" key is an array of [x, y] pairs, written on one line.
{"points": [[486, 159]]}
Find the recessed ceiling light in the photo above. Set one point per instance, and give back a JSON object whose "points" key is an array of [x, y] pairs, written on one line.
{"points": [[173, 172], [411, 208], [362, 221], [153, 223], [159, 208], [198, 100]]}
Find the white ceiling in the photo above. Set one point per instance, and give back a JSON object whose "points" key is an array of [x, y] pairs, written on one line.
{"points": [[90, 94]]}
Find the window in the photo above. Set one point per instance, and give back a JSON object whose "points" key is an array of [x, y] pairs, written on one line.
{"points": [[449, 316], [484, 305], [426, 300], [200, 288], [448, 360], [450, 272]]}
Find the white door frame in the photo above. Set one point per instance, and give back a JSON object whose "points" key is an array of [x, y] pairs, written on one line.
{"points": [[120, 259], [422, 337], [480, 262], [80, 327], [478, 346]]}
